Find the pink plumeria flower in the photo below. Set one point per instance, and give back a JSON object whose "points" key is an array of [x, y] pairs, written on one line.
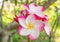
{"points": [[34, 9], [32, 21], [45, 26], [29, 27]]}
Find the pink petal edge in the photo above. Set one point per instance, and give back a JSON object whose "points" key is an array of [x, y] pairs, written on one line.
{"points": [[19, 29], [24, 12], [26, 6], [34, 4], [37, 17], [31, 37], [42, 8], [41, 27], [22, 17], [16, 18], [48, 33]]}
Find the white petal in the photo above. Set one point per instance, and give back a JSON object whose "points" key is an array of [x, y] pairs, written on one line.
{"points": [[26, 6], [41, 14], [22, 22], [39, 8], [47, 28], [37, 24], [32, 8], [35, 33], [30, 19], [24, 32], [36, 10]]}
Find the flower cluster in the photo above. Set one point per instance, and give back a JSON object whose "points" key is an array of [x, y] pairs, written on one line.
{"points": [[32, 21]]}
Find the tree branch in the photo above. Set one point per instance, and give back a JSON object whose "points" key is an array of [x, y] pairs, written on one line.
{"points": [[12, 25], [1, 20], [48, 3]]}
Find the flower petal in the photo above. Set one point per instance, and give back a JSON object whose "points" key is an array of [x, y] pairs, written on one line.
{"points": [[34, 34], [24, 12], [30, 18], [41, 27], [22, 22], [23, 31], [39, 13], [32, 9], [47, 28], [40, 8], [36, 17], [37, 24], [26, 6], [19, 29], [37, 10], [32, 6]]}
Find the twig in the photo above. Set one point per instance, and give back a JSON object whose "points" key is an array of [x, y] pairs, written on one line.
{"points": [[27, 1], [29, 40], [1, 21], [48, 3], [12, 25], [54, 26]]}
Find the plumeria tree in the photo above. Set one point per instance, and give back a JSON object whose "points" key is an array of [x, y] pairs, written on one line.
{"points": [[30, 20]]}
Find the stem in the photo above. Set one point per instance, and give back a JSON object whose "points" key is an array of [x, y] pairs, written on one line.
{"points": [[54, 26], [29, 40], [1, 20]]}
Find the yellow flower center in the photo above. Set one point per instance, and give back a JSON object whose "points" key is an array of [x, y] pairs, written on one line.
{"points": [[30, 26]]}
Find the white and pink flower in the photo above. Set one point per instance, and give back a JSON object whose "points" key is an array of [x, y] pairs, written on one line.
{"points": [[34, 9], [32, 21], [29, 27]]}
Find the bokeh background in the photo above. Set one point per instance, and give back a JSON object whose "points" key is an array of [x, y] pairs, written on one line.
{"points": [[8, 27]]}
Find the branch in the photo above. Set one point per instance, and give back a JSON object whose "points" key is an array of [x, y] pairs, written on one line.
{"points": [[12, 26], [0, 30], [48, 3], [1, 20]]}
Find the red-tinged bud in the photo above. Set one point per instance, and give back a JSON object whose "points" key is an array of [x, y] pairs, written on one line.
{"points": [[16, 18]]}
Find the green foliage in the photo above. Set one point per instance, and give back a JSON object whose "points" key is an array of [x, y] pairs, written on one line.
{"points": [[16, 38]]}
